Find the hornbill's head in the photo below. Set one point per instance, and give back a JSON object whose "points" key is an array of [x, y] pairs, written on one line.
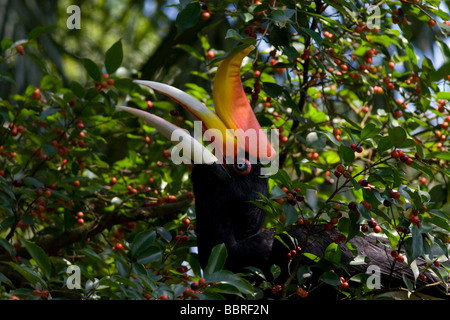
{"points": [[227, 181]]}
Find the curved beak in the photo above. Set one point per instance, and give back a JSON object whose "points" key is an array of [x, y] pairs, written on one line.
{"points": [[232, 129], [168, 129], [233, 107]]}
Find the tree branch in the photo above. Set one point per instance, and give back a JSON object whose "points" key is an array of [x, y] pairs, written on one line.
{"points": [[51, 244]]}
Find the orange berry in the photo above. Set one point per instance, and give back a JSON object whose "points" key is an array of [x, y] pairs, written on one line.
{"points": [[20, 50]]}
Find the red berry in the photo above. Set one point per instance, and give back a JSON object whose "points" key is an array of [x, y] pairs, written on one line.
{"points": [[119, 246], [397, 114], [431, 23], [205, 16], [113, 181], [210, 54], [301, 292], [190, 195], [377, 89], [366, 205], [415, 219], [164, 297], [372, 223], [395, 154], [377, 229], [363, 182], [394, 253], [80, 222], [36, 95], [352, 206], [20, 50]]}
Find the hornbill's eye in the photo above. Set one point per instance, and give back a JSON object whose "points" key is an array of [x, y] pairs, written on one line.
{"points": [[243, 168]]}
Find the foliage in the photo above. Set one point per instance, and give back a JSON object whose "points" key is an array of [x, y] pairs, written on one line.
{"points": [[346, 96]]}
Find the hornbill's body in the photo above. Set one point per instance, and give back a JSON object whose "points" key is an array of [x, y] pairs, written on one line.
{"points": [[234, 221], [224, 192]]}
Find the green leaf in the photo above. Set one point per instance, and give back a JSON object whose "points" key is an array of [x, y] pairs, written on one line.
{"points": [[193, 52], [6, 245], [5, 44], [277, 193], [36, 32], [384, 144], [217, 259], [333, 253], [6, 280], [233, 34], [443, 95], [39, 256], [443, 155], [346, 154], [92, 69], [303, 273], [151, 254], [77, 89], [6, 78], [31, 276], [317, 38], [49, 81], [229, 278], [36, 183], [141, 242], [164, 233], [114, 57], [369, 131], [94, 256], [187, 18], [408, 283], [330, 278], [417, 242], [397, 136], [290, 213], [48, 112], [316, 141], [330, 137], [275, 270]]}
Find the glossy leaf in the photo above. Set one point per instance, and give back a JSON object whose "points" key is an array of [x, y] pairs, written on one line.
{"points": [[114, 57]]}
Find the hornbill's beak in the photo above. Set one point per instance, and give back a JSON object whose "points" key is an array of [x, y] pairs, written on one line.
{"points": [[233, 118]]}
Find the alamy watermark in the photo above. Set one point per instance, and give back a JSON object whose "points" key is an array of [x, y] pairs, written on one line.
{"points": [[74, 20], [374, 280]]}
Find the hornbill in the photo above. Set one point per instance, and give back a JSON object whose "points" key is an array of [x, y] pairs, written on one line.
{"points": [[226, 184]]}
